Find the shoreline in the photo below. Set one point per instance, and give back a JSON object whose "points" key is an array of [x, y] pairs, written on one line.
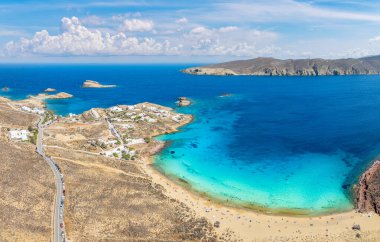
{"points": [[242, 220], [335, 225], [257, 208], [244, 223]]}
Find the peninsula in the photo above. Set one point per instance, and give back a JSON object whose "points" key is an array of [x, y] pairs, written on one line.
{"points": [[291, 67]]}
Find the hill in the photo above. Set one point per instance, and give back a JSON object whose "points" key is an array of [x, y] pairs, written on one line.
{"points": [[292, 67]]}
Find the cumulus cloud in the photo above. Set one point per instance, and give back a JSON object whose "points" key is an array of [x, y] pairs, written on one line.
{"points": [[209, 41], [136, 38], [137, 25], [182, 21], [79, 40]]}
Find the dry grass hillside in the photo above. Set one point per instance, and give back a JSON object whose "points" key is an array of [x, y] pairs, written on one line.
{"points": [[27, 194]]}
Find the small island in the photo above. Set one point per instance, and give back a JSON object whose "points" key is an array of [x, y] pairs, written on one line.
{"points": [[183, 102], [95, 84], [50, 90], [43, 96]]}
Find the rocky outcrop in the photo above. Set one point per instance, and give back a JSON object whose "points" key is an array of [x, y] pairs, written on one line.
{"points": [[292, 67], [50, 90], [368, 190], [183, 102], [5, 89], [43, 96], [94, 84]]}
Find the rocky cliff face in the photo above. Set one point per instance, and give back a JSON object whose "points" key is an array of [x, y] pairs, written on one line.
{"points": [[298, 67], [368, 190]]}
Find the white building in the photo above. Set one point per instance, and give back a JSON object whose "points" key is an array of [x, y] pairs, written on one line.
{"points": [[118, 152], [177, 118], [38, 111], [94, 113], [19, 134], [130, 142], [127, 126], [116, 109], [27, 109]]}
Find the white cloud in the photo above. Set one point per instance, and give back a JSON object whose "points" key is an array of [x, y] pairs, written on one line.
{"points": [[199, 30], [182, 21], [137, 25], [228, 29], [283, 10], [92, 20], [79, 40], [375, 39], [8, 32], [244, 42]]}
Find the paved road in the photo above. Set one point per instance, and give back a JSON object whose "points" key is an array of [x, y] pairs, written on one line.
{"points": [[59, 233], [114, 131]]}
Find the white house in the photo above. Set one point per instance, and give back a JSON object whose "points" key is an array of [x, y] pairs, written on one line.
{"points": [[27, 109], [38, 111], [118, 151], [116, 109], [19, 134], [135, 141], [127, 126], [177, 118], [94, 113]]}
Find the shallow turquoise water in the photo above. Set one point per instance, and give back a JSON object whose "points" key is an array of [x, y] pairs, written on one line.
{"points": [[200, 155], [295, 143]]}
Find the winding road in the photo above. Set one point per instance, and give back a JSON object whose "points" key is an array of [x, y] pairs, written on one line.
{"points": [[59, 232]]}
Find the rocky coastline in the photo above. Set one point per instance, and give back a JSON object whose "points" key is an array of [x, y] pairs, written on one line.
{"points": [[368, 190], [291, 67]]}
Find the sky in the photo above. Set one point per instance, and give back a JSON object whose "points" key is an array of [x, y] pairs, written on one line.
{"points": [[168, 31]]}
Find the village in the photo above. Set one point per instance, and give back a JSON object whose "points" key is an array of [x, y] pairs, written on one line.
{"points": [[129, 126]]}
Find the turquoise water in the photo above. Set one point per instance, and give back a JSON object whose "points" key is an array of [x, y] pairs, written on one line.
{"points": [[284, 143]]}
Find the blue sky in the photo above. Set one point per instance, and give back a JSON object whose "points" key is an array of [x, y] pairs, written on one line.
{"points": [[186, 31]]}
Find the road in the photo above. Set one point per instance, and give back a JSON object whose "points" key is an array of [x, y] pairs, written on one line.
{"points": [[114, 131], [59, 232]]}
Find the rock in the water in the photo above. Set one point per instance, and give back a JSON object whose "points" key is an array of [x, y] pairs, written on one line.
{"points": [[183, 102], [50, 90], [225, 95]]}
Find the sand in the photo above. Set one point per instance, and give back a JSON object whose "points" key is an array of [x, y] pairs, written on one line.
{"points": [[248, 225]]}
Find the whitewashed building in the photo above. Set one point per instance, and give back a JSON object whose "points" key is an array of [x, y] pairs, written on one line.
{"points": [[116, 109], [19, 134]]}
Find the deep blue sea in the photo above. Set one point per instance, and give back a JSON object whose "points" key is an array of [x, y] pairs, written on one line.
{"points": [[284, 143]]}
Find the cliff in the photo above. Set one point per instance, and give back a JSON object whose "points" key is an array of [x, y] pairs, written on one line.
{"points": [[292, 67], [368, 190]]}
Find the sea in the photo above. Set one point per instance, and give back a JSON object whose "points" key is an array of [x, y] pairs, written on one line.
{"points": [[275, 144]]}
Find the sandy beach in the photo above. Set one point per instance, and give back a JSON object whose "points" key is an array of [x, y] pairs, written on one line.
{"points": [[247, 225]]}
